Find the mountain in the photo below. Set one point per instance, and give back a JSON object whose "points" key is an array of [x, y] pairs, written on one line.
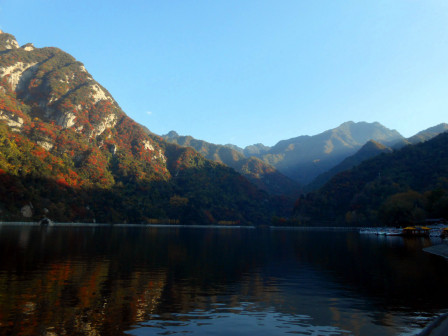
{"points": [[256, 150], [399, 188], [305, 157], [234, 147], [68, 150], [428, 133], [421, 136], [371, 149], [256, 171]]}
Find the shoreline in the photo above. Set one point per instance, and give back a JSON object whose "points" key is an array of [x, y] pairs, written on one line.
{"points": [[438, 327], [60, 224], [162, 225]]}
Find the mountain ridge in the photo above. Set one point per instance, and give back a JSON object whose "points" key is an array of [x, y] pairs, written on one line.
{"points": [[370, 149], [304, 157], [428, 133], [387, 140], [373, 148], [259, 173], [68, 147], [402, 187], [311, 165]]}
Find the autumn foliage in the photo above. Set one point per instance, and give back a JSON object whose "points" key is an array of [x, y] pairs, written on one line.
{"points": [[69, 151]]}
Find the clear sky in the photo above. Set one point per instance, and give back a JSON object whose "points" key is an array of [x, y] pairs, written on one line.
{"points": [[253, 71]]}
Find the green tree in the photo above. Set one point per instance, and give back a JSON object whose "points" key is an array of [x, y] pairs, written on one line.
{"points": [[403, 209]]}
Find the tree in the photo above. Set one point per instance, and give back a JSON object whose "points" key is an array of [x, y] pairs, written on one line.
{"points": [[403, 209]]}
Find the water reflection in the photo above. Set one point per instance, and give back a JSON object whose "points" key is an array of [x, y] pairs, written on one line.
{"points": [[235, 321], [98, 281]]}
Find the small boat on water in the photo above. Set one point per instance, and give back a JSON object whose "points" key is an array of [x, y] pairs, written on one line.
{"points": [[368, 231], [416, 231], [382, 231], [436, 233], [394, 232], [409, 231]]}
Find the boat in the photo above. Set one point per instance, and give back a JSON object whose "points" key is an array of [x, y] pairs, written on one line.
{"points": [[416, 231], [394, 232], [368, 231], [436, 233], [381, 232]]}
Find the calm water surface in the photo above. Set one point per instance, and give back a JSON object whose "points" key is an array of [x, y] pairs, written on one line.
{"points": [[191, 281]]}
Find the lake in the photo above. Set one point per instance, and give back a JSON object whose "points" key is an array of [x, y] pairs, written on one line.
{"points": [[209, 281]]}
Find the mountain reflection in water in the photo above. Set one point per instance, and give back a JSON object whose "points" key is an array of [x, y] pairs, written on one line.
{"points": [[147, 281]]}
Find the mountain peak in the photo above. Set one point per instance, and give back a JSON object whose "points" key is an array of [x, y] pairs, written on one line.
{"points": [[372, 145], [172, 135], [7, 41], [88, 161]]}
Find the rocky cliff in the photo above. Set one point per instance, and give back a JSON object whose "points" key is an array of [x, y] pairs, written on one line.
{"points": [[66, 146]]}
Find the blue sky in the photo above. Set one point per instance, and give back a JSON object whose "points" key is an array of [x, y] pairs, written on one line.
{"points": [[246, 72]]}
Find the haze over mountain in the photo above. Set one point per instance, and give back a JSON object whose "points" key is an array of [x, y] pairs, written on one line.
{"points": [[399, 188], [304, 157], [371, 149], [315, 159], [428, 133], [261, 174], [68, 149]]}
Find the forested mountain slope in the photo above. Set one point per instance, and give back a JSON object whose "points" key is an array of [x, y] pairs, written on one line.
{"points": [[428, 133], [369, 150], [68, 150], [263, 175], [402, 187], [305, 157]]}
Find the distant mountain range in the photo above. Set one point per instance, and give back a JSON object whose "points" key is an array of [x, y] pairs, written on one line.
{"points": [[371, 149], [261, 174], [401, 187], [305, 157], [427, 134], [308, 160]]}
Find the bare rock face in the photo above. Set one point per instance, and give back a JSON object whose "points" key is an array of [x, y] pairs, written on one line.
{"points": [[66, 119], [147, 145], [97, 94], [109, 121], [47, 145], [12, 120], [17, 73], [53, 92], [58, 85], [7, 41], [28, 47]]}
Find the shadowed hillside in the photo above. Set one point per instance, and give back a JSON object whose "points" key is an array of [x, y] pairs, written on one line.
{"points": [[68, 149], [263, 175], [399, 188], [305, 157]]}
